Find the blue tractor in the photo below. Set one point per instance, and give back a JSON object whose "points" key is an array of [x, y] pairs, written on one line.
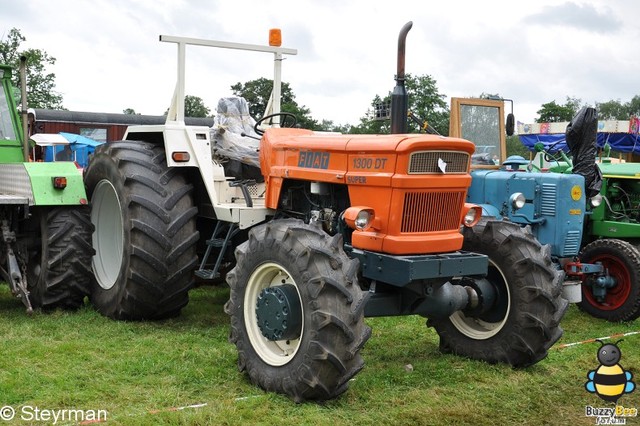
{"points": [[554, 206]]}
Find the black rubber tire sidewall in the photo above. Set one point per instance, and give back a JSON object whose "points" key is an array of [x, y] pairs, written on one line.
{"points": [[307, 376], [536, 305], [159, 232], [59, 270]]}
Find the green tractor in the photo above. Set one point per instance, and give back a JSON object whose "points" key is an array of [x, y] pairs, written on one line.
{"points": [[45, 229]]}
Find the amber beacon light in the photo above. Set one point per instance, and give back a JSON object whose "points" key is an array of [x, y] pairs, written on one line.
{"points": [[275, 37]]}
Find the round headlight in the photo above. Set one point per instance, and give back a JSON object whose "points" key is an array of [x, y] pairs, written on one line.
{"points": [[470, 217], [362, 220], [517, 200], [596, 200]]}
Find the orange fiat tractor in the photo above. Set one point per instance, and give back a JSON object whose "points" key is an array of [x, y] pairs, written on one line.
{"points": [[314, 231]]}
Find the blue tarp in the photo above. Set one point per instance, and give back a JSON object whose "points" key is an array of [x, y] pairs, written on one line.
{"points": [[82, 146], [620, 142]]}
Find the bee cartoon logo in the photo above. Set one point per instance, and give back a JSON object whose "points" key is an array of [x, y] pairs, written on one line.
{"points": [[609, 381]]}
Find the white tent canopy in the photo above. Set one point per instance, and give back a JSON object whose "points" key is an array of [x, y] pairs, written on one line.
{"points": [[49, 139]]}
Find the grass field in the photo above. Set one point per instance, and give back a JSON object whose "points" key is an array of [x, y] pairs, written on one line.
{"points": [[155, 373]]}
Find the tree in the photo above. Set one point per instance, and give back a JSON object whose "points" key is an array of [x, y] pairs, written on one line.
{"points": [[40, 84], [634, 106], [616, 110], [130, 111], [611, 110], [375, 120], [427, 102], [515, 147], [551, 112], [330, 126], [193, 107], [258, 92], [424, 102]]}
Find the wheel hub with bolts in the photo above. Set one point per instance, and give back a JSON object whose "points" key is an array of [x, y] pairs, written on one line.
{"points": [[278, 313]]}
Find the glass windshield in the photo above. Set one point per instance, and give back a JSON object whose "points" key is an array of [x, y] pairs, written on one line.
{"points": [[7, 131], [481, 125]]}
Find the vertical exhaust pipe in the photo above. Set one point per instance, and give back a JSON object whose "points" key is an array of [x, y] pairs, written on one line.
{"points": [[25, 113], [399, 97]]}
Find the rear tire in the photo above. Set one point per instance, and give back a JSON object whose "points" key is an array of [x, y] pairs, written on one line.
{"points": [[145, 232], [317, 361], [622, 260], [59, 269], [525, 320]]}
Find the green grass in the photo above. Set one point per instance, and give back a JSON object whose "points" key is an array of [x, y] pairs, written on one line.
{"points": [[140, 372]]}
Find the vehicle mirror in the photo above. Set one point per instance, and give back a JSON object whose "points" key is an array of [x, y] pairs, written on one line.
{"points": [[510, 124]]}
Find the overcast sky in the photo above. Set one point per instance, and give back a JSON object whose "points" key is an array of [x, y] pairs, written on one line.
{"points": [[109, 57]]}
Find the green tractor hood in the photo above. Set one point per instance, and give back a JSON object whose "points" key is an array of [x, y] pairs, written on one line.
{"points": [[44, 184], [622, 170]]}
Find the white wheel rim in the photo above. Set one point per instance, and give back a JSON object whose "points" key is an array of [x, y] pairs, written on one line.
{"points": [[275, 353], [108, 238], [476, 328]]}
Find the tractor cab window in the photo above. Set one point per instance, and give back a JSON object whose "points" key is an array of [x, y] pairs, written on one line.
{"points": [[481, 122], [7, 131], [481, 125]]}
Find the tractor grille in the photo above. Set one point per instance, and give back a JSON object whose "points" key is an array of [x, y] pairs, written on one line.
{"points": [[431, 211], [571, 243], [426, 162], [548, 201]]}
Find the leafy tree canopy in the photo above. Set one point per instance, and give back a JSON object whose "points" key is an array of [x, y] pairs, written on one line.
{"points": [[258, 92], [551, 112], [40, 84], [616, 110], [193, 107], [426, 103]]}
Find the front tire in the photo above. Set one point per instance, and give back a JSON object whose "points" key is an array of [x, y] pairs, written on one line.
{"points": [[319, 351], [622, 261], [524, 321], [145, 233], [59, 266]]}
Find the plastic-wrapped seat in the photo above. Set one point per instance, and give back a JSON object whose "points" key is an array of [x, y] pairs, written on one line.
{"points": [[235, 144]]}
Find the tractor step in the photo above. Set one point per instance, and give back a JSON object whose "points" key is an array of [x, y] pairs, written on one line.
{"points": [[215, 242], [218, 243], [207, 274]]}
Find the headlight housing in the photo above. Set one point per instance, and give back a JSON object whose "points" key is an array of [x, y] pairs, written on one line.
{"points": [[517, 200], [359, 218], [472, 215], [363, 219], [596, 200]]}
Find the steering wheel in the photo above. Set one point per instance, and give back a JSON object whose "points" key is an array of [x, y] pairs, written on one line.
{"points": [[551, 157], [288, 120], [557, 157]]}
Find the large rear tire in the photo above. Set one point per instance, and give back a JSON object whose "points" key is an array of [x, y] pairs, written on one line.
{"points": [[59, 265], [525, 319], [319, 351], [145, 232], [622, 261]]}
